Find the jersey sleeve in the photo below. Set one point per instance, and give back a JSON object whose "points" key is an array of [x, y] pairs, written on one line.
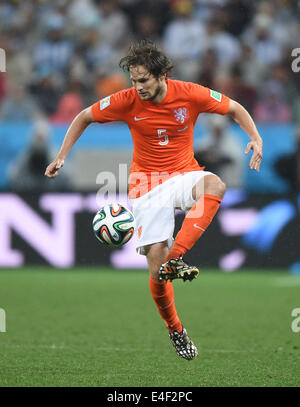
{"points": [[111, 108], [209, 101]]}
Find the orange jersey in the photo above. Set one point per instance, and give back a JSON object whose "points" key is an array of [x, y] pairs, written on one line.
{"points": [[162, 133]]}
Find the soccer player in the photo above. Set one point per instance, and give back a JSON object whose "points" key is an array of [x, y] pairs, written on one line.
{"points": [[164, 175]]}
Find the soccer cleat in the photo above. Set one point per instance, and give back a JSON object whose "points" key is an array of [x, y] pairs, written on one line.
{"points": [[177, 268], [183, 345]]}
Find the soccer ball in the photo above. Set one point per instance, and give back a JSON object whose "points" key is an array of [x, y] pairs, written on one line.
{"points": [[114, 225]]}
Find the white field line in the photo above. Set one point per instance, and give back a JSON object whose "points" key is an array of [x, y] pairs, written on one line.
{"points": [[291, 281], [121, 349], [229, 350]]}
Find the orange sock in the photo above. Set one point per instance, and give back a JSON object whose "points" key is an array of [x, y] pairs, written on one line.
{"points": [[194, 225], [163, 295]]}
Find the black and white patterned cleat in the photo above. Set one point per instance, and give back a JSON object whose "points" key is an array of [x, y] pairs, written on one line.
{"points": [[183, 345], [177, 268]]}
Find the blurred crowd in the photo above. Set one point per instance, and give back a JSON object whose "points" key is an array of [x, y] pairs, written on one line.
{"points": [[62, 55]]}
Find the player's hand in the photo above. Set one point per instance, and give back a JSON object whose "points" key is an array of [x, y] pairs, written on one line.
{"points": [[52, 169], [257, 155]]}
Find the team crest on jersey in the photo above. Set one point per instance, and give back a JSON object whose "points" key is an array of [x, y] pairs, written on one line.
{"points": [[104, 102], [181, 114]]}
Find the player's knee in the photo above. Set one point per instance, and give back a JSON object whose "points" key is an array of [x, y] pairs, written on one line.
{"points": [[154, 267], [221, 188], [215, 186], [156, 255]]}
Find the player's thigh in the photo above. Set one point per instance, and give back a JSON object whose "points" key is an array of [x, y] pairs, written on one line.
{"points": [[185, 185], [154, 216], [210, 184]]}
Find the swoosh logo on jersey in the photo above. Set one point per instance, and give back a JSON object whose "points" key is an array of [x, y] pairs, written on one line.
{"points": [[140, 118], [198, 227], [183, 129]]}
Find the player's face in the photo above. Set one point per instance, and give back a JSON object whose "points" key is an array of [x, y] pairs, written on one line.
{"points": [[147, 86]]}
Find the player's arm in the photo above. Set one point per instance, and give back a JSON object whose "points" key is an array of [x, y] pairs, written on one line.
{"points": [[77, 127], [240, 115]]}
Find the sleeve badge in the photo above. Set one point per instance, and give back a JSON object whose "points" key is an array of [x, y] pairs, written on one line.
{"points": [[215, 95], [104, 103]]}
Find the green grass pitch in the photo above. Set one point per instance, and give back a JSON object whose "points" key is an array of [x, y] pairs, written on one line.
{"points": [[100, 327]]}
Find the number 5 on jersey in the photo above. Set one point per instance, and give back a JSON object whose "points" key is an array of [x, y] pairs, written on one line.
{"points": [[164, 137]]}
